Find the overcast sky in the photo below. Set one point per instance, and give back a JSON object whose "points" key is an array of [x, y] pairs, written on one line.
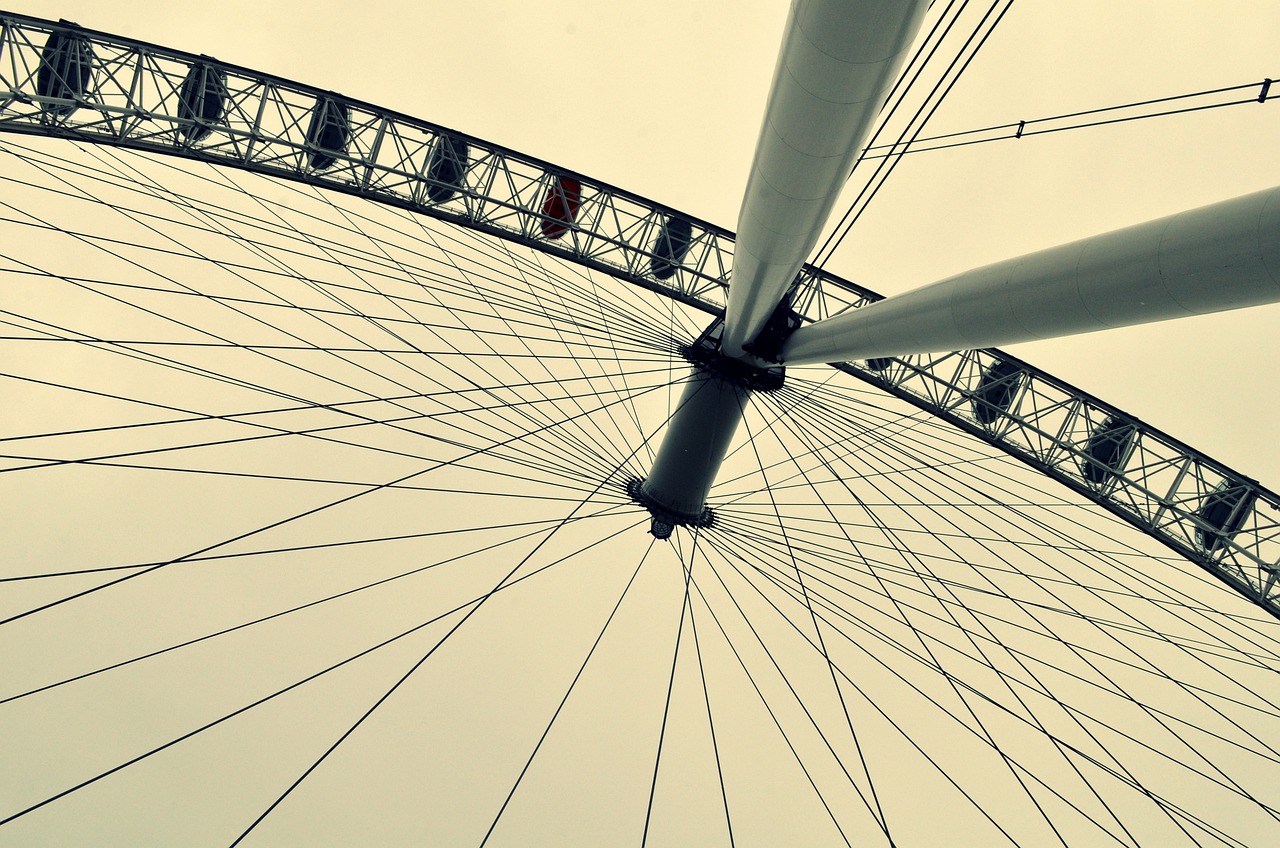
{"points": [[664, 99]]}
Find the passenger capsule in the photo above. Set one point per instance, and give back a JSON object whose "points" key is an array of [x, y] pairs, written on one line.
{"points": [[670, 248], [66, 71], [446, 168], [202, 100], [1223, 511], [329, 132], [560, 206], [996, 390], [1106, 451]]}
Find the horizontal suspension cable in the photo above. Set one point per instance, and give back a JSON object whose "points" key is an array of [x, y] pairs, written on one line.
{"points": [[1178, 104]]}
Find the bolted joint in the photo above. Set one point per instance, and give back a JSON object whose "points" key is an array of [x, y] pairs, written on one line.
{"points": [[749, 372], [665, 522], [767, 345]]}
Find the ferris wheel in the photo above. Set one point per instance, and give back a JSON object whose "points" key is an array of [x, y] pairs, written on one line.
{"points": [[368, 482]]}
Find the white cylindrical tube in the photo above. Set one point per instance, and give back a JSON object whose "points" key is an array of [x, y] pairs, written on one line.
{"points": [[1218, 257], [837, 62]]}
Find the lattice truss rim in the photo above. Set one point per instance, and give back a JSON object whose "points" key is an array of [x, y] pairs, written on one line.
{"points": [[103, 89]]}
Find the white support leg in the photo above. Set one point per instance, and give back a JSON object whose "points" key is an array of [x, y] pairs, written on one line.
{"points": [[1218, 257], [837, 63]]}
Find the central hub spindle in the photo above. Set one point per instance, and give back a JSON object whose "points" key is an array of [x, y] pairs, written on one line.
{"points": [[701, 429]]}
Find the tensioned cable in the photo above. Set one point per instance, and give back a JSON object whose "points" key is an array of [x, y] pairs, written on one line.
{"points": [[907, 79], [636, 470], [1116, 521], [907, 737], [907, 557], [791, 519], [581, 447], [666, 713], [602, 455], [850, 442], [876, 813], [566, 472], [828, 436], [729, 553], [538, 526], [1059, 532], [186, 366], [592, 453], [418, 664], [193, 417], [340, 247], [810, 519], [873, 805], [1166, 728], [524, 278], [307, 679], [434, 237], [769, 708], [246, 534], [906, 82], [1152, 588], [128, 215], [597, 295], [881, 174], [821, 558], [725, 551], [607, 510], [711, 724], [1030, 713], [568, 691], [873, 632], [1054, 123]]}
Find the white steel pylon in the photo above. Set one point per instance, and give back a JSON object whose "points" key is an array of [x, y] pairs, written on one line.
{"points": [[1218, 257], [836, 62]]}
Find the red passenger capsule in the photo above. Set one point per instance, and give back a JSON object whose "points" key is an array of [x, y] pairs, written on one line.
{"points": [[560, 206]]}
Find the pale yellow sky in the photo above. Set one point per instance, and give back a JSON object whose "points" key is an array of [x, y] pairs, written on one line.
{"points": [[663, 99]]}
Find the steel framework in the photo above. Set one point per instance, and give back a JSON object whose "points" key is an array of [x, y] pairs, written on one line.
{"points": [[60, 80]]}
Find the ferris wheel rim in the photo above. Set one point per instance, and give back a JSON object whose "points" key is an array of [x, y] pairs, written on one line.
{"points": [[984, 362], [1252, 572]]}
